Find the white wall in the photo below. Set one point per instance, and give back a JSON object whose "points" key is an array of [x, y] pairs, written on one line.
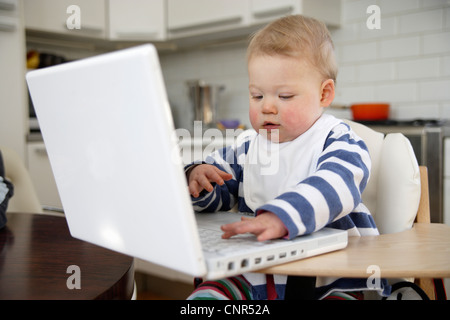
{"points": [[406, 63]]}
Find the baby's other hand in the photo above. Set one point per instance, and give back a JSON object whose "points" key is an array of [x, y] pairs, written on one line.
{"points": [[201, 176], [264, 226]]}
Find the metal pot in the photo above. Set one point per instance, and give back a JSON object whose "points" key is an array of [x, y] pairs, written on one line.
{"points": [[204, 98]]}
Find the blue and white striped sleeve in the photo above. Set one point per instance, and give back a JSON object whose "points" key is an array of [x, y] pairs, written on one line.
{"points": [[332, 192], [229, 159]]}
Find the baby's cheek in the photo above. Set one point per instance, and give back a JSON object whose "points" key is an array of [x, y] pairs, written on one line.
{"points": [[294, 123], [291, 118], [253, 116]]}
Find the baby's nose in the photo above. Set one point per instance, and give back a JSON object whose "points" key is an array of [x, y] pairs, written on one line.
{"points": [[269, 107]]}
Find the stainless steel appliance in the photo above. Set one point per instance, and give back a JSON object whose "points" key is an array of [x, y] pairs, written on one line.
{"points": [[204, 99], [427, 139]]}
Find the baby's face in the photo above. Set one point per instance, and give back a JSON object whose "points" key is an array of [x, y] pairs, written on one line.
{"points": [[285, 95]]}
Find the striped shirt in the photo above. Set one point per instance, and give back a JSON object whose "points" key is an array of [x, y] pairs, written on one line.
{"points": [[328, 168]]}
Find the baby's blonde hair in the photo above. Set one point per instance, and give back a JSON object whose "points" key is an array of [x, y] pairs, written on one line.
{"points": [[300, 37]]}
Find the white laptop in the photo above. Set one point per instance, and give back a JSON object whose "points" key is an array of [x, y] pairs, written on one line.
{"points": [[109, 134]]}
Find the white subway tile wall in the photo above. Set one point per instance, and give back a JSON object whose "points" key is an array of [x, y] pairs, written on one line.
{"points": [[406, 63]]}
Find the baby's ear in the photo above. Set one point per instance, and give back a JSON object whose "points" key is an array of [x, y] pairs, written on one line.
{"points": [[327, 93]]}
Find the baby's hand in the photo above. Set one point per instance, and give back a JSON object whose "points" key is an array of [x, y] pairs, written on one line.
{"points": [[201, 176], [265, 226]]}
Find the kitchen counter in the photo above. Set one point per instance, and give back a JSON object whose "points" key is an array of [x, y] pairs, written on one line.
{"points": [[204, 141]]}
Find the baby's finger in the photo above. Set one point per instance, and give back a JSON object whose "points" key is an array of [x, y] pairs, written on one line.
{"points": [[267, 234], [224, 175], [195, 189], [205, 183], [218, 176], [247, 225], [229, 230]]}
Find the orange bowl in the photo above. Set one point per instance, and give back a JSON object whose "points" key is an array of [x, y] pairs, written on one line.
{"points": [[370, 111]]}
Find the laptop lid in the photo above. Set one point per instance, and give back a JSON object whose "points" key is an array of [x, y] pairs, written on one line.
{"points": [[109, 134]]}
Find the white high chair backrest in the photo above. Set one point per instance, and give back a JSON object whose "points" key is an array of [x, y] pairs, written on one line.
{"points": [[393, 192]]}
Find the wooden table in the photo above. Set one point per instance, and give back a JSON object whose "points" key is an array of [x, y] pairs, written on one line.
{"points": [[421, 252], [36, 251]]}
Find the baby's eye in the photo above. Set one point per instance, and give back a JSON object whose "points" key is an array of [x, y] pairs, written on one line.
{"points": [[257, 97], [286, 96]]}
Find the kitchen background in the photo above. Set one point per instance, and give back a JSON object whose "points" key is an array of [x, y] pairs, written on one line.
{"points": [[405, 63]]}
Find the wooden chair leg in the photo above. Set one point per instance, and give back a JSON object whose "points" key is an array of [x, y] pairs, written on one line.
{"points": [[423, 216], [427, 285]]}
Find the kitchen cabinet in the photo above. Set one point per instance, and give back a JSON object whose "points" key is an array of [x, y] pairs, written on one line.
{"points": [[186, 18], [137, 20], [42, 175], [161, 20], [328, 11], [8, 6], [196, 17], [60, 17], [263, 10], [13, 98]]}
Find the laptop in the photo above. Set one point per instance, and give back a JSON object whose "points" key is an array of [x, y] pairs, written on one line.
{"points": [[110, 138]]}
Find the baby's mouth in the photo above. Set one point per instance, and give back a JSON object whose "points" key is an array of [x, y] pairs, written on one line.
{"points": [[270, 125]]}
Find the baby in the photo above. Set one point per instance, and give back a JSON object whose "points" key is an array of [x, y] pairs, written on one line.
{"points": [[322, 166]]}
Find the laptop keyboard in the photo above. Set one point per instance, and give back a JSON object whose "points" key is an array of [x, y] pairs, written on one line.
{"points": [[212, 241]]}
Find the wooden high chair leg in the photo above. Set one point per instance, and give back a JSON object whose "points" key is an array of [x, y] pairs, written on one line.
{"points": [[427, 285]]}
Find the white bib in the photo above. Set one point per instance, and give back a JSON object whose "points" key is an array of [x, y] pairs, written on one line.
{"points": [[271, 169]]}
